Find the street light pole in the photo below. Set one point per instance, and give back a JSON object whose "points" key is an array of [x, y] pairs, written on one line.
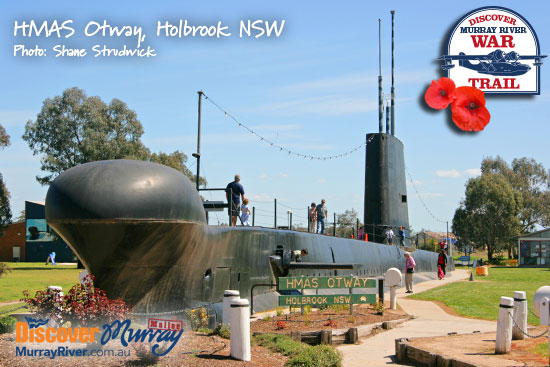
{"points": [[449, 244], [198, 153]]}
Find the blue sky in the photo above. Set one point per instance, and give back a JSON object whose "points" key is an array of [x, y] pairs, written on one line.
{"points": [[312, 90]]}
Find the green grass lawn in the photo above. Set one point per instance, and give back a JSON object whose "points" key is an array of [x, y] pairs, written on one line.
{"points": [[541, 349], [480, 299], [35, 276]]}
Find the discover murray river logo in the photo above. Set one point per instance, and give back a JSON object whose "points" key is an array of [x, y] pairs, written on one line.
{"points": [[37, 331], [495, 50]]}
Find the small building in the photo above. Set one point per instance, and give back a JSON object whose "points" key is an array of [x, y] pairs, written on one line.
{"points": [[534, 249], [12, 243], [41, 240]]}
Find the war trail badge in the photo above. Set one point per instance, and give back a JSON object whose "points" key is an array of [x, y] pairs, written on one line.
{"points": [[496, 50]]}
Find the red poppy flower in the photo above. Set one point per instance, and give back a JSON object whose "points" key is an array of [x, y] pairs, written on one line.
{"points": [[440, 93], [468, 107]]}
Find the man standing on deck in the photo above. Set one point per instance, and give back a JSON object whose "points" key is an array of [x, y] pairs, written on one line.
{"points": [[322, 213], [237, 191]]}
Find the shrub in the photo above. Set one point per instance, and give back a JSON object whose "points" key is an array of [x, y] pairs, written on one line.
{"points": [[198, 318], [331, 323], [307, 309], [497, 260], [280, 343], [223, 330], [7, 324], [267, 318], [279, 311], [4, 269], [84, 304], [317, 356], [281, 325], [379, 308], [205, 330], [511, 262]]}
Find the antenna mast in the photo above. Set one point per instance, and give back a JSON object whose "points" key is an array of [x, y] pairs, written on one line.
{"points": [[392, 80], [380, 100]]}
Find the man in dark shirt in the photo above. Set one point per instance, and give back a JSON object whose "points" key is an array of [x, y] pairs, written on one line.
{"points": [[238, 192]]}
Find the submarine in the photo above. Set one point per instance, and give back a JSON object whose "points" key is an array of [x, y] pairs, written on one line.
{"points": [[140, 228]]}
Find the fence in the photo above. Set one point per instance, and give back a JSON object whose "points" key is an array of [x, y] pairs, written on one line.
{"points": [[280, 215]]}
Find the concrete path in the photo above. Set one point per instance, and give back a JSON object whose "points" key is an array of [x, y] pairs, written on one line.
{"points": [[430, 320]]}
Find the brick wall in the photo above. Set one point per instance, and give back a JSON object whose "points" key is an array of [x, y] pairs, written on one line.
{"points": [[14, 235]]}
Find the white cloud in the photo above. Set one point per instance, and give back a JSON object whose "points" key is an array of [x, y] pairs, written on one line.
{"points": [[451, 173], [454, 173], [260, 197], [263, 177], [322, 180], [472, 172], [283, 175]]}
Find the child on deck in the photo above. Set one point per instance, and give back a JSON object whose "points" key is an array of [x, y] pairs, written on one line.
{"points": [[245, 210]]}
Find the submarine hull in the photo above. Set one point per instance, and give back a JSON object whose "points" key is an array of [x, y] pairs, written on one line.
{"points": [[166, 258]]}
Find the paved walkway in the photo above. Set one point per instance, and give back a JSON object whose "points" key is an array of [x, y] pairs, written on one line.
{"points": [[430, 320]]}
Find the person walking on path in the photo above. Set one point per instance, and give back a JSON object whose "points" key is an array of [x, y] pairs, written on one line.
{"points": [[389, 236], [312, 219], [237, 192], [322, 213], [410, 264], [442, 261], [402, 235]]}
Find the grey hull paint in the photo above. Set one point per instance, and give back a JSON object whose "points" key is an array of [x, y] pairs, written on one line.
{"points": [[159, 255]]}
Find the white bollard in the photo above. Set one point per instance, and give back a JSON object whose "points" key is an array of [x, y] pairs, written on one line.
{"points": [[228, 296], [504, 326], [520, 315], [392, 297], [392, 279], [240, 330]]}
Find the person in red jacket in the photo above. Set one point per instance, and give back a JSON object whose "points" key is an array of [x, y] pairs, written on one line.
{"points": [[442, 261]]}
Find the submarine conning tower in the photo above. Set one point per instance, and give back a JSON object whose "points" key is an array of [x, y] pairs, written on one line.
{"points": [[385, 183], [385, 186]]}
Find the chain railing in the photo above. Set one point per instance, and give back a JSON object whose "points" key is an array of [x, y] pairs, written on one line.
{"points": [[525, 332]]}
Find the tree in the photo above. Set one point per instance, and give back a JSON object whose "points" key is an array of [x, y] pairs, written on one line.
{"points": [[346, 221], [530, 180], [5, 210], [4, 137], [488, 216], [73, 128], [177, 161]]}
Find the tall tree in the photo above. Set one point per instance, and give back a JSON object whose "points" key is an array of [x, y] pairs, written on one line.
{"points": [[73, 128], [530, 180], [5, 210], [177, 161], [488, 216]]}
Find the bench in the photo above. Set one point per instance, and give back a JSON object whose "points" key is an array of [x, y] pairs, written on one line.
{"points": [[463, 259]]}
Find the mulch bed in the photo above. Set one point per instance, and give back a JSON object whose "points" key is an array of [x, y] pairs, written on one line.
{"points": [[319, 320]]}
